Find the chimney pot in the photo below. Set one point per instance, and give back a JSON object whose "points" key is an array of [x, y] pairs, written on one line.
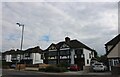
{"points": [[67, 39]]}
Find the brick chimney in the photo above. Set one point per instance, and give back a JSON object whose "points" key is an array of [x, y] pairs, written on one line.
{"points": [[67, 39]]}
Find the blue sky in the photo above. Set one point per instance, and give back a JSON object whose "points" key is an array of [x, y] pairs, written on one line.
{"points": [[45, 38], [92, 23]]}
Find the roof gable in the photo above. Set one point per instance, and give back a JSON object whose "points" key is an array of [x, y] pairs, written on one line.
{"points": [[73, 44], [13, 52], [68, 44], [112, 43], [64, 46], [115, 51], [78, 44], [33, 50], [52, 47]]}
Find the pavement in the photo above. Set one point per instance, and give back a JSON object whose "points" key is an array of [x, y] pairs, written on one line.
{"points": [[89, 73], [17, 73]]}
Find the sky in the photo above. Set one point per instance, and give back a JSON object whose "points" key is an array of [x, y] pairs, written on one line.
{"points": [[92, 23]]}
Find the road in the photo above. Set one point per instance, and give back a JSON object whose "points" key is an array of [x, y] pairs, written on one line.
{"points": [[16, 73]]}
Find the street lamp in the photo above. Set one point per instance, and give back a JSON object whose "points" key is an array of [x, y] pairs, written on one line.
{"points": [[21, 40], [22, 34]]}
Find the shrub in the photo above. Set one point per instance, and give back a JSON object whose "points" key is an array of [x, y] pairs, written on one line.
{"points": [[55, 69], [44, 65], [51, 69], [62, 65], [63, 69], [42, 69], [6, 65], [32, 65]]}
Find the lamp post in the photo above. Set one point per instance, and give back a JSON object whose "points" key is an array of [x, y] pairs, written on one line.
{"points": [[22, 34], [21, 40]]}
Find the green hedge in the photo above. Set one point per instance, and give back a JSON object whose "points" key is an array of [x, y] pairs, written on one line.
{"points": [[32, 65], [53, 69], [42, 69], [6, 65], [63, 65]]}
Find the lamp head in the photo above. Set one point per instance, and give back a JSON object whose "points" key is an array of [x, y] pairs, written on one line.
{"points": [[18, 24]]}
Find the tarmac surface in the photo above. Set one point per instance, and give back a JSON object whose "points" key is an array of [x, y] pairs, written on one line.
{"points": [[17, 73]]}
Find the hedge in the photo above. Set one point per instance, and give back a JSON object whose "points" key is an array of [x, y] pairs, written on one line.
{"points": [[53, 69]]}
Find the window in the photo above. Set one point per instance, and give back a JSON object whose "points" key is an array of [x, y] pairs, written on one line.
{"points": [[52, 48], [63, 57], [116, 62], [64, 46], [14, 56], [53, 53], [52, 62], [89, 55], [82, 56], [87, 61], [78, 51], [110, 63], [64, 61], [42, 56], [64, 52], [27, 54]]}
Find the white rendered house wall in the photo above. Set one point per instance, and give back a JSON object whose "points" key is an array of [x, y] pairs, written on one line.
{"points": [[37, 58], [8, 58], [72, 56], [87, 56]]}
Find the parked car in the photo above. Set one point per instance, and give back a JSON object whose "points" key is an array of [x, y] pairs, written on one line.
{"points": [[99, 67], [74, 67], [13, 66]]}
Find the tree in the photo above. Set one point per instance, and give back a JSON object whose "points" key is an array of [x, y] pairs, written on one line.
{"points": [[103, 59]]}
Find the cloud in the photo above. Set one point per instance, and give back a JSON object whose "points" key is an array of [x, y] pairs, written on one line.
{"points": [[50, 22]]}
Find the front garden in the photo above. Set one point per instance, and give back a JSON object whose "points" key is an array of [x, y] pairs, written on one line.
{"points": [[53, 68]]}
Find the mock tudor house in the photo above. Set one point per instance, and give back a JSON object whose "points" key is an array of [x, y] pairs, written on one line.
{"points": [[11, 56], [113, 51], [29, 56], [33, 56], [69, 52]]}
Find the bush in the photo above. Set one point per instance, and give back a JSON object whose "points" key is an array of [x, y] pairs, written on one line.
{"points": [[42, 69], [44, 65], [63, 69], [55, 69], [32, 65], [115, 70], [51, 69], [6, 65], [63, 65]]}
